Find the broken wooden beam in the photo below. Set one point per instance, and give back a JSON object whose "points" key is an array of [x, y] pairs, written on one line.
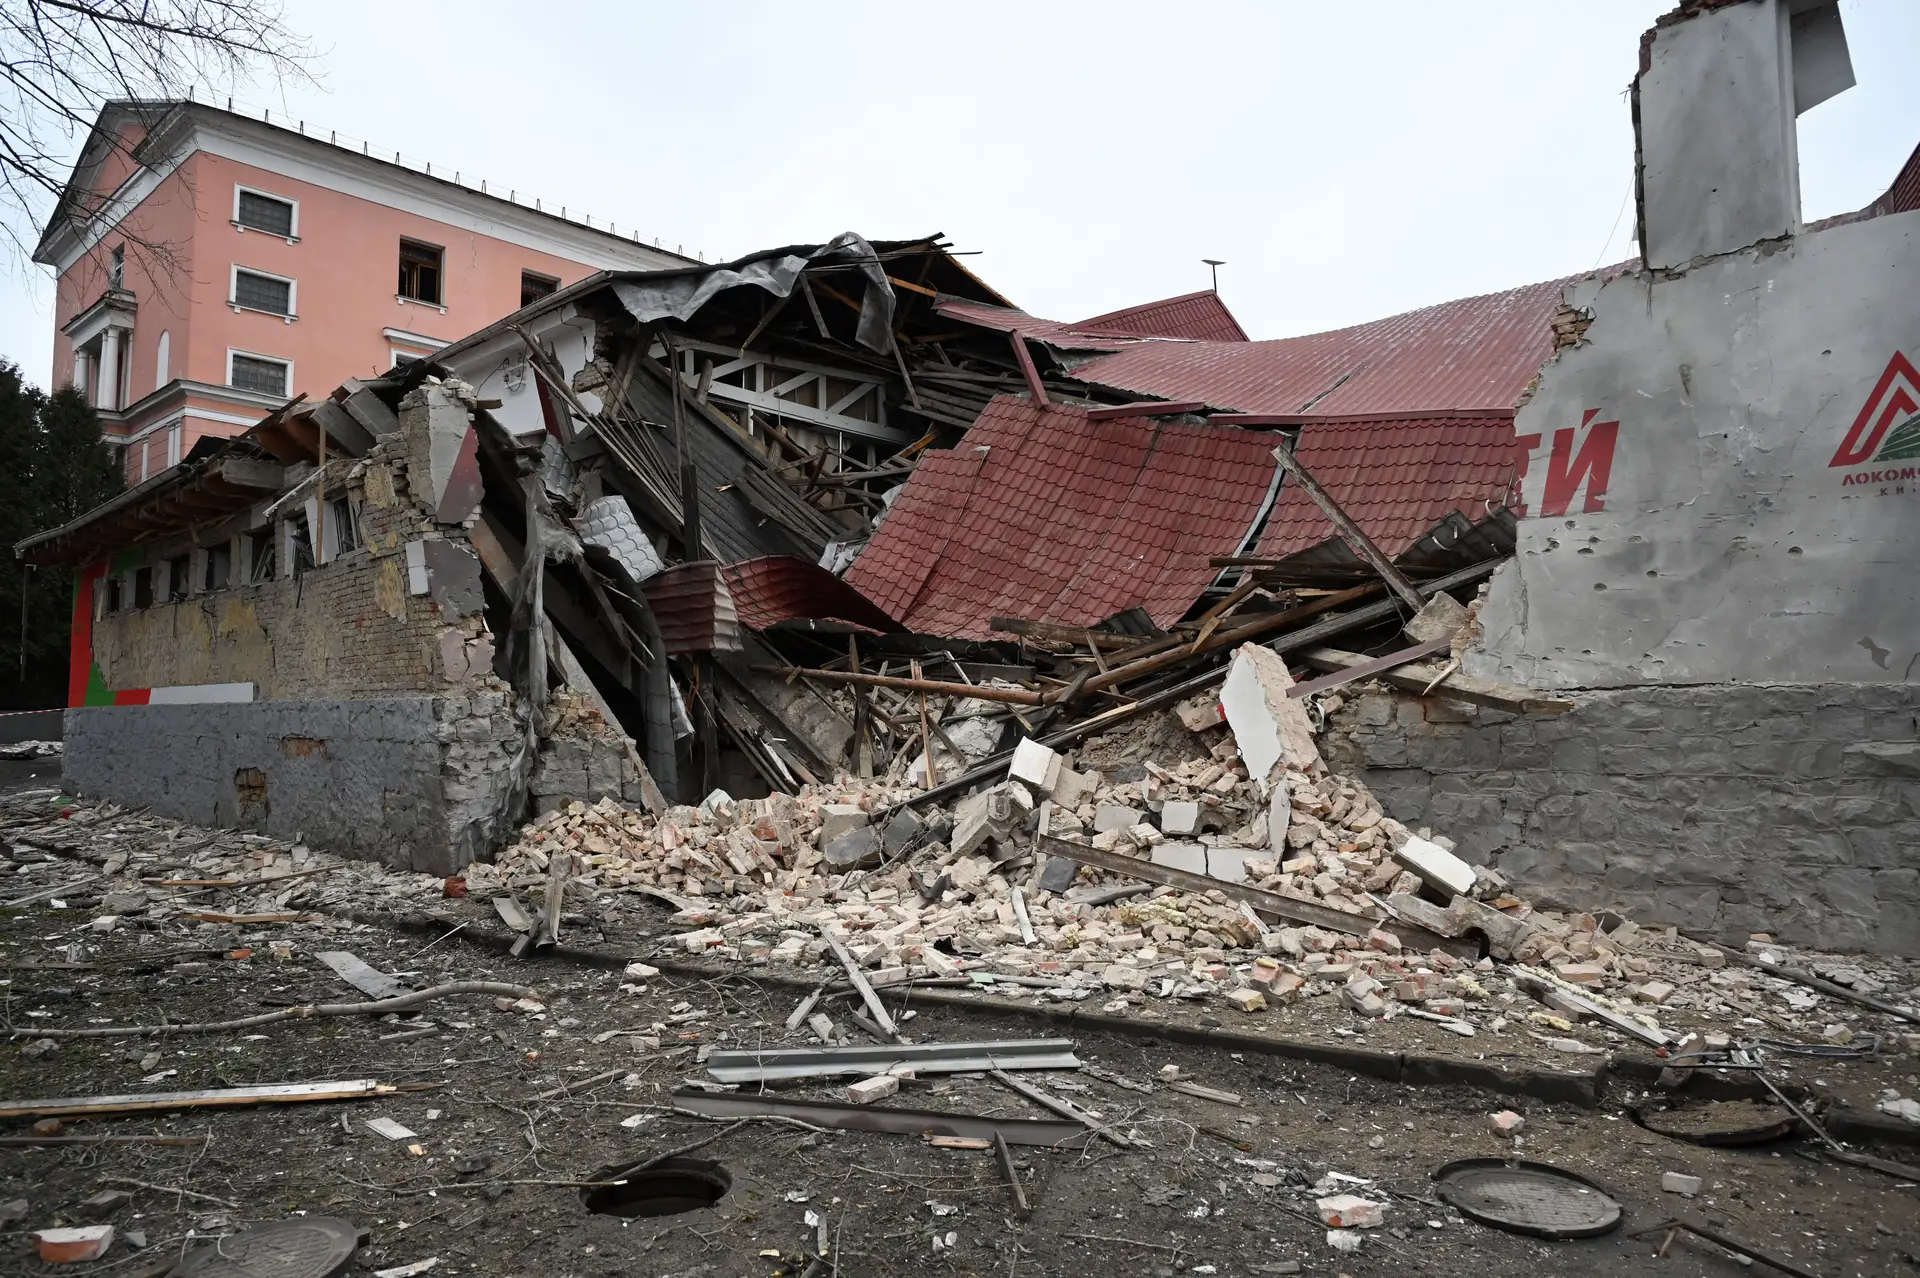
{"points": [[1012, 696], [1362, 544], [1419, 679]]}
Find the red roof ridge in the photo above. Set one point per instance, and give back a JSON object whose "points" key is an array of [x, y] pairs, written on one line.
{"points": [[1198, 316]]}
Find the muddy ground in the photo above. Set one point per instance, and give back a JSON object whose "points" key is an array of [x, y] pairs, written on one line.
{"points": [[1210, 1188]]}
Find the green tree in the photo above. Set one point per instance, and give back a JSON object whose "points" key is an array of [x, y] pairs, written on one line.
{"points": [[54, 467]]}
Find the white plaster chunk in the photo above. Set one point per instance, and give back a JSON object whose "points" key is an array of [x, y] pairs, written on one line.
{"points": [[1270, 728]]}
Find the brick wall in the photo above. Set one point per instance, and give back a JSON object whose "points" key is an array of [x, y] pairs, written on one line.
{"points": [[348, 628], [1721, 809]]}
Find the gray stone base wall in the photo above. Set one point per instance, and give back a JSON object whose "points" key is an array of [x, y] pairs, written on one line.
{"points": [[418, 783], [1720, 809]]}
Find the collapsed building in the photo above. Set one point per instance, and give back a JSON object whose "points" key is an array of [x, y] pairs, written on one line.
{"points": [[843, 510]]}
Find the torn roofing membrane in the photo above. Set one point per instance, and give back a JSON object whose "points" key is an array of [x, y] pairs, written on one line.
{"points": [[681, 295]]}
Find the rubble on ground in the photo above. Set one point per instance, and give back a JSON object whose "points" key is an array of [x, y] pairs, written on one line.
{"points": [[963, 892]]}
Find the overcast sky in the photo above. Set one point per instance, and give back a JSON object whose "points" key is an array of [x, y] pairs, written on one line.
{"points": [[1347, 161]]}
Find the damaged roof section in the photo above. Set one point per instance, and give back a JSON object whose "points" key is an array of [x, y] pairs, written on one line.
{"points": [[1049, 515]]}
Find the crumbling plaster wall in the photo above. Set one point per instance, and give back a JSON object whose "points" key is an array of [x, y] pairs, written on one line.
{"points": [[378, 728], [1721, 811], [1717, 538]]}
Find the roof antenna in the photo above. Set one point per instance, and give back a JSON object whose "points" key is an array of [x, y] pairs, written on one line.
{"points": [[1214, 264]]}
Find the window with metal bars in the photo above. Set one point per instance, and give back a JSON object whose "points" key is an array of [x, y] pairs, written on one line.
{"points": [[250, 372], [259, 292], [259, 212], [534, 287], [420, 271]]}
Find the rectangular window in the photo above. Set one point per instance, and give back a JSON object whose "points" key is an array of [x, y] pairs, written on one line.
{"points": [[420, 271], [258, 212], [258, 292], [113, 593], [341, 534], [254, 373], [534, 287], [299, 543], [219, 566], [143, 587], [179, 570], [260, 557], [117, 268]]}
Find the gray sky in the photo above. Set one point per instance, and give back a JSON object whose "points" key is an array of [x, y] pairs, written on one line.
{"points": [[1348, 161]]}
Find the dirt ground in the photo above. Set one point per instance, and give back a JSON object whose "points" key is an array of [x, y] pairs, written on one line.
{"points": [[1208, 1188]]}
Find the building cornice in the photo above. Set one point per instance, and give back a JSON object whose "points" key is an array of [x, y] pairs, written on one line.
{"points": [[197, 127]]}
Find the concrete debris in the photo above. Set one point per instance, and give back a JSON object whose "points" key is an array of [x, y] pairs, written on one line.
{"points": [[1350, 1211], [1506, 1124], [1271, 728], [1680, 1183]]}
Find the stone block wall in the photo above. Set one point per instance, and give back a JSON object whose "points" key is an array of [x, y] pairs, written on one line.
{"points": [[1720, 809], [413, 782]]}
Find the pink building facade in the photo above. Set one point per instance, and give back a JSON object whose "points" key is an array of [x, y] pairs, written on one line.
{"points": [[211, 266]]}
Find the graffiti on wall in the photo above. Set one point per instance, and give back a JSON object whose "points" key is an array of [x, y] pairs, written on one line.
{"points": [[1573, 474]]}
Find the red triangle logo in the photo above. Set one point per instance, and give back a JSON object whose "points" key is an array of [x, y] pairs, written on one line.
{"points": [[1895, 399]]}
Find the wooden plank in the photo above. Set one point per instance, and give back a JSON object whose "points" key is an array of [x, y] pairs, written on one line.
{"points": [[1455, 687], [1272, 902], [1350, 531], [219, 1097], [1377, 665]]}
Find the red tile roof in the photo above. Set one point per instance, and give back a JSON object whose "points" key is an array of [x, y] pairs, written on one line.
{"points": [[777, 588], [1473, 353], [1045, 515], [1201, 315], [1396, 479]]}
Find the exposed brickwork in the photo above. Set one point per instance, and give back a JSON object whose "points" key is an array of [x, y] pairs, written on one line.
{"points": [[1721, 809]]}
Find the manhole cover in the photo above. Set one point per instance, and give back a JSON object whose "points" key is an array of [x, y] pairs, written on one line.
{"points": [[665, 1189], [1740, 1122], [304, 1247], [1527, 1198]]}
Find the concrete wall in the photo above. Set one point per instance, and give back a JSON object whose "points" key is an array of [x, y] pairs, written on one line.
{"points": [[408, 781], [1706, 498], [1720, 810], [1719, 165]]}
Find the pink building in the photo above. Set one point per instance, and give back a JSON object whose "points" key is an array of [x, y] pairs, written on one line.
{"points": [[211, 266]]}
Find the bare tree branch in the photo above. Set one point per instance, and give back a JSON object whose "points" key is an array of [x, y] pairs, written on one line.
{"points": [[61, 61]]}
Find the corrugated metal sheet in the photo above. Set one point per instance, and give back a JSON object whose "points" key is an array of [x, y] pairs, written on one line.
{"points": [[781, 588], [1201, 316], [1045, 515], [1396, 479], [1476, 352]]}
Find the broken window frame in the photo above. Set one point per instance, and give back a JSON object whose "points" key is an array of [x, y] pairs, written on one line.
{"points": [[110, 594], [260, 558], [422, 273], [342, 533], [143, 587], [299, 551], [217, 570], [179, 577]]}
